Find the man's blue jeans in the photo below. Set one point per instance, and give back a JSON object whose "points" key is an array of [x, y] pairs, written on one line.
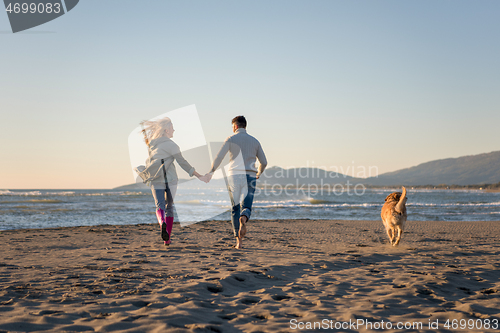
{"points": [[241, 185]]}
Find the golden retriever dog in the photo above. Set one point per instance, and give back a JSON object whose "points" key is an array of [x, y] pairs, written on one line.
{"points": [[394, 215]]}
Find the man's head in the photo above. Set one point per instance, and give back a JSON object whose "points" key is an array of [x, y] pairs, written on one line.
{"points": [[239, 122]]}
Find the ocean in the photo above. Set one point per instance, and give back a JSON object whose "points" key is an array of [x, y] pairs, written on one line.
{"points": [[21, 209]]}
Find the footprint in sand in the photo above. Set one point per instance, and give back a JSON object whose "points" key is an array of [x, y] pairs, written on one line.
{"points": [[133, 318], [239, 278], [229, 316], [49, 312], [280, 297], [232, 259], [140, 304], [250, 300], [215, 289], [203, 328], [263, 316]]}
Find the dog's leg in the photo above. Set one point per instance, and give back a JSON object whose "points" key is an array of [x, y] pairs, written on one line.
{"points": [[398, 238], [390, 234]]}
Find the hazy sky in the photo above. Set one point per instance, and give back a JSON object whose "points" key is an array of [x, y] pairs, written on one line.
{"points": [[329, 83]]}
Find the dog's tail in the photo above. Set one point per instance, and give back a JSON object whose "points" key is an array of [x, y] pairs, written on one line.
{"points": [[400, 205]]}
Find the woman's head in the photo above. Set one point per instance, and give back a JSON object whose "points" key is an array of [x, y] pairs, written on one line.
{"points": [[158, 128]]}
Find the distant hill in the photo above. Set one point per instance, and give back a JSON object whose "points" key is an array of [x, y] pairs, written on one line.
{"points": [[304, 176], [466, 170]]}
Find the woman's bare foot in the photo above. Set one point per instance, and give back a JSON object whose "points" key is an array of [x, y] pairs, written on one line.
{"points": [[238, 243], [243, 226]]}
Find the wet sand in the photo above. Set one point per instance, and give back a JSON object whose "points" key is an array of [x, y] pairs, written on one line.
{"points": [[289, 275]]}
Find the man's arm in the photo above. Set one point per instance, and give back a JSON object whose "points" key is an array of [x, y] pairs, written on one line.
{"points": [[262, 160], [220, 156]]}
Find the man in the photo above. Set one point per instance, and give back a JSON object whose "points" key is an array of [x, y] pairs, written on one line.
{"points": [[243, 150]]}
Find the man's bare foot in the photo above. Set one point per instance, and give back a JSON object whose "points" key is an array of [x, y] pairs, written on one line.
{"points": [[243, 226], [238, 243]]}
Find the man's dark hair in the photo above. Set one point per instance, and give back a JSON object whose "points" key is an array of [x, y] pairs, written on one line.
{"points": [[240, 121]]}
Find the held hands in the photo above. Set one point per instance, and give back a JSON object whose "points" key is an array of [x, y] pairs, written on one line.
{"points": [[204, 178], [208, 176]]}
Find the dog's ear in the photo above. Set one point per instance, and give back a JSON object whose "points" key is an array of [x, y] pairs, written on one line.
{"points": [[394, 196]]}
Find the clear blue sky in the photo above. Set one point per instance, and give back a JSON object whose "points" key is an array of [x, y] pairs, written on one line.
{"points": [[327, 83]]}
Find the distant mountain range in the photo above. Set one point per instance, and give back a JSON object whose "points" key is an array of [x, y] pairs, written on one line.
{"points": [[299, 176], [465, 170]]}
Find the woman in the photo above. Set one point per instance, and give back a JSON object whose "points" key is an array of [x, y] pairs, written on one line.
{"points": [[160, 173]]}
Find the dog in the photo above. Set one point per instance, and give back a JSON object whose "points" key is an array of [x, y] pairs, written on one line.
{"points": [[394, 215]]}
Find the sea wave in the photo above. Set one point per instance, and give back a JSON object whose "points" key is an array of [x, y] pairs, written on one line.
{"points": [[263, 204], [35, 193], [43, 201], [325, 203], [191, 202], [30, 193], [70, 193], [133, 193], [457, 204]]}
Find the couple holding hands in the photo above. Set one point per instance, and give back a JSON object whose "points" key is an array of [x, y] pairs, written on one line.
{"points": [[161, 175]]}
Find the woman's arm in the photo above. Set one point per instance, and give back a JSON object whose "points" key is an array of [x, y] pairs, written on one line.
{"points": [[184, 164], [188, 168]]}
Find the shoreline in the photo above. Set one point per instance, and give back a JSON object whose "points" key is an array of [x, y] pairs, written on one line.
{"points": [[122, 278], [177, 224]]}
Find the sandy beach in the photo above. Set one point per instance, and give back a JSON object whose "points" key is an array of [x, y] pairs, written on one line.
{"points": [[289, 276]]}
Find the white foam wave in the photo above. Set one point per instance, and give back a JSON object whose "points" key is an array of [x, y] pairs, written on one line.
{"points": [[471, 204], [68, 193], [30, 193], [302, 204]]}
